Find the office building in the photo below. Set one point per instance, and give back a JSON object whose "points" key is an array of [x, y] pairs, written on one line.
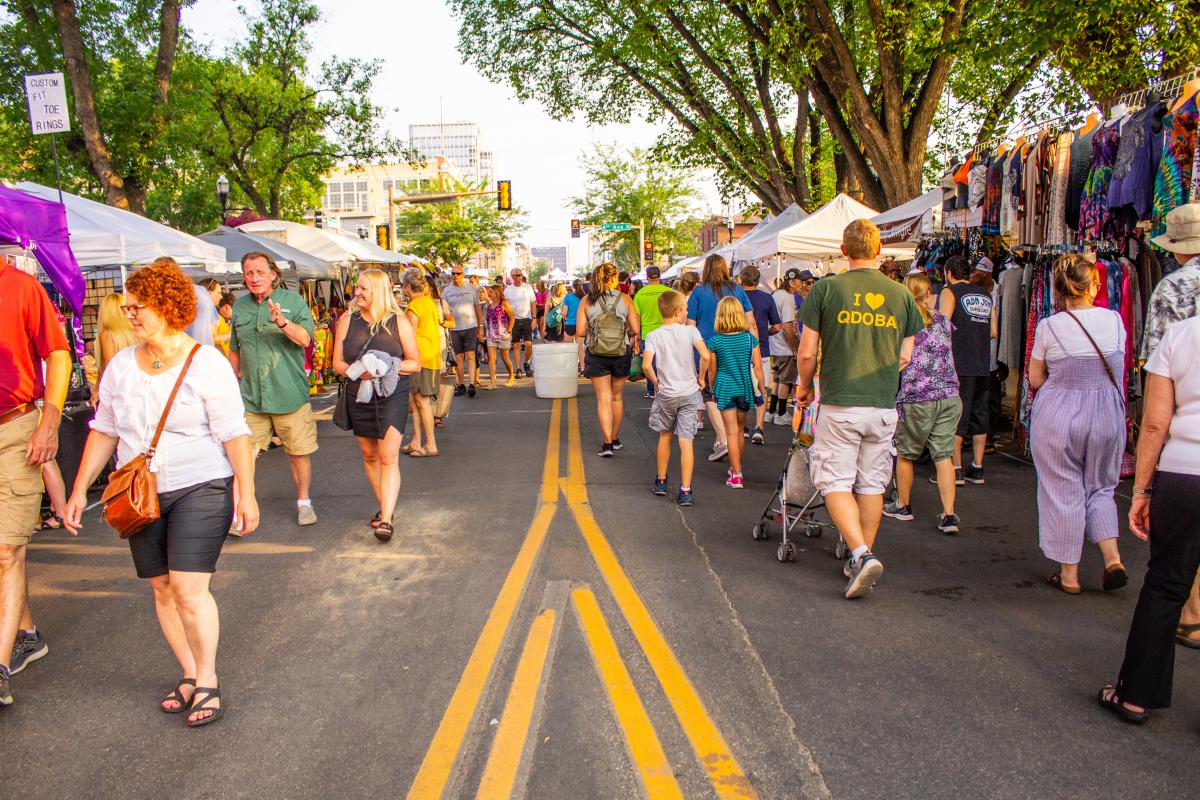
{"points": [[557, 256], [458, 141], [356, 197]]}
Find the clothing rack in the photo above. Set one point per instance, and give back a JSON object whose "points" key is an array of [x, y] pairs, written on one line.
{"points": [[1166, 88], [1034, 126]]}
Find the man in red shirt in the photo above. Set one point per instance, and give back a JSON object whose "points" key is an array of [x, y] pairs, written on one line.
{"points": [[30, 334]]}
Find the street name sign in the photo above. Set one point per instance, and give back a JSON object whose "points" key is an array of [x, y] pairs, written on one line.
{"points": [[47, 95], [616, 226]]}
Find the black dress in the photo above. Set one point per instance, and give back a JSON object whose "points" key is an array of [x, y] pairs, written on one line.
{"points": [[371, 420]]}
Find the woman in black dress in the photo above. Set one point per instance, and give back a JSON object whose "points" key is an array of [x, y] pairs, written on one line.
{"points": [[377, 338]]}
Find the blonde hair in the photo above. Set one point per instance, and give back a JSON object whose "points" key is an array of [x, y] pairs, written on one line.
{"points": [[730, 316], [918, 284], [383, 302], [113, 320], [558, 291], [1074, 276], [669, 303], [861, 239]]}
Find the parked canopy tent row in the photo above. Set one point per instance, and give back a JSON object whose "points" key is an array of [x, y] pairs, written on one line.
{"points": [[692, 264], [763, 240], [329, 245], [236, 243], [103, 236]]}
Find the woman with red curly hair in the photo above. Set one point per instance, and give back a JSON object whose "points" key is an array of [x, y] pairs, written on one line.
{"points": [[204, 446]]}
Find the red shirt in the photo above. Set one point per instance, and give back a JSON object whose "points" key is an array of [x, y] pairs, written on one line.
{"points": [[29, 332]]}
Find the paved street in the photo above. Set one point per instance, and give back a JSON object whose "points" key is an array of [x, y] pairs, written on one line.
{"points": [[543, 626]]}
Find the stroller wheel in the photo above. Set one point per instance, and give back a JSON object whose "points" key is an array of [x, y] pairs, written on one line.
{"points": [[840, 550], [812, 531], [759, 531], [786, 552]]}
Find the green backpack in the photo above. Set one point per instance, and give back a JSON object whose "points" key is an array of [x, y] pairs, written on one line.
{"points": [[554, 319], [606, 333]]}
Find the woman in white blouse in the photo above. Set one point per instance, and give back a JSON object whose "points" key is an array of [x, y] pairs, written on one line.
{"points": [[204, 445]]}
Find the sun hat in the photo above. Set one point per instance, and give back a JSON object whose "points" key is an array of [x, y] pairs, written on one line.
{"points": [[984, 265], [1183, 230]]}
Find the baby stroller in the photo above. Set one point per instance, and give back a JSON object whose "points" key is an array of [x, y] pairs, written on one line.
{"points": [[793, 503]]}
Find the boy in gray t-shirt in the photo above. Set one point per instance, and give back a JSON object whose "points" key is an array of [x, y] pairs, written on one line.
{"points": [[670, 363]]}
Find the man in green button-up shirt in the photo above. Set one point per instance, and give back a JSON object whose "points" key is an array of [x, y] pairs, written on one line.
{"points": [[269, 331]]}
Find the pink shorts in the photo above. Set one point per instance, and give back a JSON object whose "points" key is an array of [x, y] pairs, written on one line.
{"points": [[852, 451]]}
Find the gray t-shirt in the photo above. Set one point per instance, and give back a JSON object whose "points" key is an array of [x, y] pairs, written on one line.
{"points": [[674, 358], [201, 328], [462, 300]]}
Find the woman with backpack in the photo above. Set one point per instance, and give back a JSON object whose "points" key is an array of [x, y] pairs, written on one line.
{"points": [[555, 313], [608, 325]]}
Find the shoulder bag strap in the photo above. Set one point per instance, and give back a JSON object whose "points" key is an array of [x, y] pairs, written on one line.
{"points": [[1096, 347], [162, 421]]}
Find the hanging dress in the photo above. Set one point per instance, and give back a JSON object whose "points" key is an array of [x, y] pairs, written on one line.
{"points": [[1172, 185], [1093, 209]]}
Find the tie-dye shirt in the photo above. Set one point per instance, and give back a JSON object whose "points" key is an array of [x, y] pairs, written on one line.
{"points": [[930, 375]]}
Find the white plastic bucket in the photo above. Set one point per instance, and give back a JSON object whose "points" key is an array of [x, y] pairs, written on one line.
{"points": [[556, 369]]}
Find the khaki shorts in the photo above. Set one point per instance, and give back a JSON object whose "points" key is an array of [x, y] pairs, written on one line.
{"points": [[784, 368], [931, 424], [297, 430], [20, 484], [424, 383], [852, 449]]}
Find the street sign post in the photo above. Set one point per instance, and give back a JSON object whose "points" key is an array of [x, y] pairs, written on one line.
{"points": [[47, 97], [616, 226]]}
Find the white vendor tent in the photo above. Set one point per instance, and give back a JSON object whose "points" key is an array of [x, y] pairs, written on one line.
{"points": [[330, 245], [763, 240], [692, 264], [906, 222], [819, 235], [103, 236], [558, 276], [237, 243]]}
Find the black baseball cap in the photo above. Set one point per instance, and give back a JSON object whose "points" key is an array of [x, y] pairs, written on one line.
{"points": [[653, 272], [794, 274]]}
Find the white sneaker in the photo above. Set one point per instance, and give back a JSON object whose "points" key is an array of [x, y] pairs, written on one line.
{"points": [[768, 417], [783, 419], [719, 451], [864, 574], [305, 515]]}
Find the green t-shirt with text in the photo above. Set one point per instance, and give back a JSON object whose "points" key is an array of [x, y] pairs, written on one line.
{"points": [[863, 318]]}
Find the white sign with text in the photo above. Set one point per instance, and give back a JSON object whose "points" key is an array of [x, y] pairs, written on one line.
{"points": [[47, 94]]}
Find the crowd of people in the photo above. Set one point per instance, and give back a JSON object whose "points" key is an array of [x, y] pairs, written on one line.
{"points": [[884, 372]]}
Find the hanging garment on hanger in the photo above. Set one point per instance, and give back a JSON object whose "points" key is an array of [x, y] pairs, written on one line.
{"points": [[1137, 163], [1011, 307], [1172, 185], [1081, 165], [1056, 210], [1093, 210]]}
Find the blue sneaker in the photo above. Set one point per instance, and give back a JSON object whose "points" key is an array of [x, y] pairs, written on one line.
{"points": [[684, 498], [660, 486]]}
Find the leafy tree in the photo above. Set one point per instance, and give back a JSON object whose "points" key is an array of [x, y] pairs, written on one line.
{"points": [[633, 185], [118, 58], [450, 233], [538, 269]]}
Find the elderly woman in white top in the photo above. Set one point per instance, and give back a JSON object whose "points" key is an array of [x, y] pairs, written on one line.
{"points": [[204, 445], [1166, 484]]}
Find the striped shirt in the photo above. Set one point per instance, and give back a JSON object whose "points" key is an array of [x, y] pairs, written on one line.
{"points": [[734, 353]]}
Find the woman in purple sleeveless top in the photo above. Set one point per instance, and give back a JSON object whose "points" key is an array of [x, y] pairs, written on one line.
{"points": [[1078, 427]]}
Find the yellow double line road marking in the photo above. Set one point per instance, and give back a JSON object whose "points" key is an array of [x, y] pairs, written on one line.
{"points": [[724, 772], [439, 760]]}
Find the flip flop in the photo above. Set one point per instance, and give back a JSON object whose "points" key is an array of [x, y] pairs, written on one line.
{"points": [[417, 453], [1055, 580], [1183, 636], [432, 453], [210, 694], [45, 525]]}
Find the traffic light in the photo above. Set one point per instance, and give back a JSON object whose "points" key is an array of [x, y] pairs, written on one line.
{"points": [[648, 252], [575, 228], [383, 236], [319, 218], [504, 195]]}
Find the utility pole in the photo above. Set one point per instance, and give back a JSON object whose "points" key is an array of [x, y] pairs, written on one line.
{"points": [[641, 244], [391, 218]]}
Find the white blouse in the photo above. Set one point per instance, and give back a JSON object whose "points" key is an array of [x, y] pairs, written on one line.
{"points": [[207, 413]]}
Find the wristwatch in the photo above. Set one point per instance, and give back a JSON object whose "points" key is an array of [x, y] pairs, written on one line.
{"points": [[282, 325], [1144, 490]]}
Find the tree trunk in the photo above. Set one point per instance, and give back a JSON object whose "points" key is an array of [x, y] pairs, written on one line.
{"points": [[168, 44], [815, 151], [85, 104]]}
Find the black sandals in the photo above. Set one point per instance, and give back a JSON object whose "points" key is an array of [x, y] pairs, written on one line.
{"points": [[384, 531], [200, 700], [1108, 698], [178, 697]]}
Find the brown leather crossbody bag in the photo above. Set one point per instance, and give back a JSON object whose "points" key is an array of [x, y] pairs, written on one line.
{"points": [[131, 497]]}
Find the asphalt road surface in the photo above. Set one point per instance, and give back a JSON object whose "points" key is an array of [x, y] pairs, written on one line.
{"points": [[542, 626]]}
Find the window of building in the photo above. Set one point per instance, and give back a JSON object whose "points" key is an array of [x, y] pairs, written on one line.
{"points": [[346, 195]]}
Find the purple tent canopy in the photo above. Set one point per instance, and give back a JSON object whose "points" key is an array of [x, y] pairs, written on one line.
{"points": [[40, 226]]}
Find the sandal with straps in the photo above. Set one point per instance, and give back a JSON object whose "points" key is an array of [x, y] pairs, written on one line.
{"points": [[384, 531], [1108, 698], [375, 520], [198, 704], [1183, 635], [178, 697]]}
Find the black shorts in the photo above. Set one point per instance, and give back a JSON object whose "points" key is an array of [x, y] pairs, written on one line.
{"points": [[599, 366], [464, 341], [569, 330], [522, 330], [973, 390], [189, 533]]}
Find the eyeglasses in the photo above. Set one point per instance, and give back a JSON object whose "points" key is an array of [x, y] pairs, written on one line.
{"points": [[133, 310], [456, 274]]}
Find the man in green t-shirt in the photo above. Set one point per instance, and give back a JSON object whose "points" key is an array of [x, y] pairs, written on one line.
{"points": [[863, 324], [646, 303]]}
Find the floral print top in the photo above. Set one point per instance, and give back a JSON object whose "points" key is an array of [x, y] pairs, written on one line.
{"points": [[930, 375]]}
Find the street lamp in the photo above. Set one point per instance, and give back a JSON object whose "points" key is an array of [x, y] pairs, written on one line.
{"points": [[223, 195], [729, 226]]}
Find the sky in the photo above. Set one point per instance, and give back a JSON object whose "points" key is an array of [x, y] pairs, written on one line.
{"points": [[423, 75]]}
